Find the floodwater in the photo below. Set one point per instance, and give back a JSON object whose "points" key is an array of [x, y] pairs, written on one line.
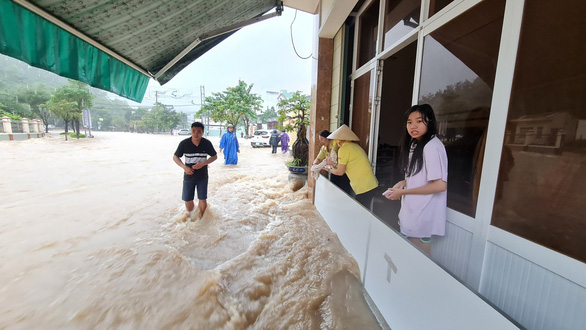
{"points": [[94, 235]]}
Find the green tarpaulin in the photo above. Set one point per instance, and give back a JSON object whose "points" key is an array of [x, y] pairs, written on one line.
{"points": [[118, 45], [30, 38]]}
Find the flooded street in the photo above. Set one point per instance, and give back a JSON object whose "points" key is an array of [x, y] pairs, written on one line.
{"points": [[93, 235]]}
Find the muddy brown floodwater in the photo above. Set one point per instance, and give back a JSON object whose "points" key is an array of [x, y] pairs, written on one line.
{"points": [[93, 235]]}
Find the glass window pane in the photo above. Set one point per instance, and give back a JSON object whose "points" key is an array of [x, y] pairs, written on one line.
{"points": [[437, 5], [457, 78], [401, 17], [396, 98], [362, 104], [540, 193], [367, 33]]}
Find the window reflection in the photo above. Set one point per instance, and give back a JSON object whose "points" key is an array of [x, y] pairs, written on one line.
{"points": [[401, 17], [437, 5], [542, 196], [361, 110], [459, 65], [367, 33]]}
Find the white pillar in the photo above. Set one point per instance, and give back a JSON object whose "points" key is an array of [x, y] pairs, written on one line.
{"points": [[25, 127], [35, 125], [7, 125]]}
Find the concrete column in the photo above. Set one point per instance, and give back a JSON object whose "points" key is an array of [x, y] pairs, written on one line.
{"points": [[35, 125], [321, 98], [7, 125], [25, 127]]}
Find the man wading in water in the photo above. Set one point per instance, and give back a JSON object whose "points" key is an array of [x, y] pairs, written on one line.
{"points": [[196, 150]]}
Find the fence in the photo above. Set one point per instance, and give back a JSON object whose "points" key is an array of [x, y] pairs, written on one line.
{"points": [[25, 128]]}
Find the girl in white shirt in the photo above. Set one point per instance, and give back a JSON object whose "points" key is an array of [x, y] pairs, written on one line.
{"points": [[423, 192]]}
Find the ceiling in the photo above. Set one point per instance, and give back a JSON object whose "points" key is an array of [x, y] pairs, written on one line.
{"points": [[309, 6]]}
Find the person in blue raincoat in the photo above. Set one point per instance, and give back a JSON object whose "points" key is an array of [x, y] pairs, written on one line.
{"points": [[274, 140], [230, 147]]}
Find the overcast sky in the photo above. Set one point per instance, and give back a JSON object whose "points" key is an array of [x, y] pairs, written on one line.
{"points": [[261, 54]]}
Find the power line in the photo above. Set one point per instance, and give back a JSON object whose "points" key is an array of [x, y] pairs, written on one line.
{"points": [[293, 43]]}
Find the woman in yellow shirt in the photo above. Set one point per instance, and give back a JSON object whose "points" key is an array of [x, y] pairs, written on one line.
{"points": [[327, 146], [353, 161]]}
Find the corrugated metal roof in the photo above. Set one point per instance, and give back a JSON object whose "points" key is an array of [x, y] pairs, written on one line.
{"points": [[155, 37]]}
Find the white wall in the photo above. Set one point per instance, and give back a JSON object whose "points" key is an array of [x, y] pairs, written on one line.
{"points": [[409, 289]]}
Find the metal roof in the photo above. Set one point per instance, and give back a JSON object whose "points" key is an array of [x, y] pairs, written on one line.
{"points": [[157, 38]]}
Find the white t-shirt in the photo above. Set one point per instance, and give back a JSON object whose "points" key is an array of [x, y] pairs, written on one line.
{"points": [[425, 215]]}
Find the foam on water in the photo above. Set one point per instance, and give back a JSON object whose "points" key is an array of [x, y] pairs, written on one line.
{"points": [[96, 237]]}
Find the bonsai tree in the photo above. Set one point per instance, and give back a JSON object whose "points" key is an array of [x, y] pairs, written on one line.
{"points": [[294, 114]]}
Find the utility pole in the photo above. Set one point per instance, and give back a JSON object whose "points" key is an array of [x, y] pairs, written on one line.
{"points": [[202, 96]]}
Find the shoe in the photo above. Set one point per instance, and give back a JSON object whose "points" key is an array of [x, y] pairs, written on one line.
{"points": [[425, 239]]}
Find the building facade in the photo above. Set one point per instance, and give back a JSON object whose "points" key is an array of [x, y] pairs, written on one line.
{"points": [[507, 82]]}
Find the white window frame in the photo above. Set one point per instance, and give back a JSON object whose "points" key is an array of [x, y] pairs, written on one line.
{"points": [[483, 231]]}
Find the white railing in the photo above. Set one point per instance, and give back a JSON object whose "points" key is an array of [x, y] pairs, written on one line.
{"points": [[22, 126]]}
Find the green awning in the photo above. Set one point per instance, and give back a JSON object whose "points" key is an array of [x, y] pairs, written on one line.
{"points": [[118, 45]]}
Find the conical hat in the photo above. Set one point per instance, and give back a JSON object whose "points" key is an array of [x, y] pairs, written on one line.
{"points": [[343, 133]]}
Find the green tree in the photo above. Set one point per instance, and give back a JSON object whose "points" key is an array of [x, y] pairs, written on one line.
{"points": [[65, 109], [295, 113], [76, 92], [119, 123], [168, 119], [113, 112], [11, 102], [135, 119], [36, 97], [160, 119], [103, 116], [269, 114], [4, 113], [235, 105]]}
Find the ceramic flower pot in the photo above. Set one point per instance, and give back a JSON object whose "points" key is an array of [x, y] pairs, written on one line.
{"points": [[297, 169]]}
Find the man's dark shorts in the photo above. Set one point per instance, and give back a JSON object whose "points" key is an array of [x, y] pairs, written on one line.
{"points": [[189, 189]]}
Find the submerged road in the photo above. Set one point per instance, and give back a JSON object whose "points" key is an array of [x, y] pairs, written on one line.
{"points": [[93, 235]]}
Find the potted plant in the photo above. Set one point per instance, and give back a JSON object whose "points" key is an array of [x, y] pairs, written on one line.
{"points": [[295, 166], [294, 111]]}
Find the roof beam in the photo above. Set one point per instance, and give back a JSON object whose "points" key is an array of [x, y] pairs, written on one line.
{"points": [[215, 33]]}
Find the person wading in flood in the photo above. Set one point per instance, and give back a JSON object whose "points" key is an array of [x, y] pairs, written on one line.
{"points": [[274, 141], [229, 143], [196, 150]]}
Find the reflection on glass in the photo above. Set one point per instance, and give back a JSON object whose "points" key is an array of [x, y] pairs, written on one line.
{"points": [[396, 96], [540, 192], [437, 5], [459, 65], [367, 33], [361, 110], [401, 17]]}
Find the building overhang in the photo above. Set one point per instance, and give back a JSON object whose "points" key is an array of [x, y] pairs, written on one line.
{"points": [[119, 45]]}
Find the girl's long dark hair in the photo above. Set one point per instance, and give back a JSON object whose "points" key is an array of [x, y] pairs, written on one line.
{"points": [[416, 164]]}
